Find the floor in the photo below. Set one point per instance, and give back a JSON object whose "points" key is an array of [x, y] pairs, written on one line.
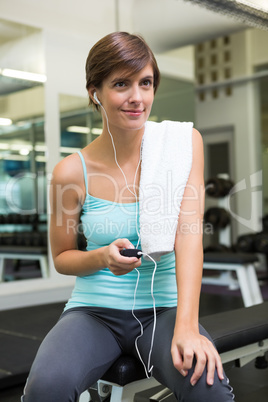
{"points": [[250, 384]]}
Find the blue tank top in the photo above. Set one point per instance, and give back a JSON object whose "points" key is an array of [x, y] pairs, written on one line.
{"points": [[103, 222]]}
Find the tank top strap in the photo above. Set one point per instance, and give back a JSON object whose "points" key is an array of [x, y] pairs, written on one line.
{"points": [[84, 169]]}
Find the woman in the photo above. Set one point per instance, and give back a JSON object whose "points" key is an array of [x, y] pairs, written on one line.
{"points": [[98, 323]]}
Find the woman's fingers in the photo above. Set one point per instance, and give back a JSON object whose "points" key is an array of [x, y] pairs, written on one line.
{"points": [[219, 366], [118, 264], [188, 356], [207, 358], [201, 362], [177, 360]]}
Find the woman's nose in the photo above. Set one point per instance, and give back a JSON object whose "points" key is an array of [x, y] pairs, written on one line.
{"points": [[135, 95]]}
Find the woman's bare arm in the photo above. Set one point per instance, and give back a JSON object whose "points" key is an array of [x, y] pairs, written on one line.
{"points": [[187, 341], [67, 193]]}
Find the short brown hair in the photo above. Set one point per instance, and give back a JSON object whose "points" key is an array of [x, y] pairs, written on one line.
{"points": [[119, 50]]}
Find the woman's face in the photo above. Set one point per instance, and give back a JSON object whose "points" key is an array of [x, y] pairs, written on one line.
{"points": [[127, 98]]}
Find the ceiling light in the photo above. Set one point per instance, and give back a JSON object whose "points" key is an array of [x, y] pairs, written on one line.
{"points": [[24, 151], [96, 131], [40, 148], [15, 157], [41, 159], [78, 129], [5, 122], [23, 75], [254, 13], [69, 150], [20, 147], [257, 4], [4, 146]]}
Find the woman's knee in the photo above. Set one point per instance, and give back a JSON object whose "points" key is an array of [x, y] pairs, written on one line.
{"points": [[49, 385], [220, 391]]}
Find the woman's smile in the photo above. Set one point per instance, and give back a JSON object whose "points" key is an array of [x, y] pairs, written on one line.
{"points": [[133, 112]]}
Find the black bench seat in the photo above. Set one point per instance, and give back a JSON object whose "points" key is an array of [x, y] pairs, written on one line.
{"points": [[22, 330]]}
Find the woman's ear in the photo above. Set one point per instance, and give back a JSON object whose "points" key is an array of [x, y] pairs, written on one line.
{"points": [[91, 92], [92, 101]]}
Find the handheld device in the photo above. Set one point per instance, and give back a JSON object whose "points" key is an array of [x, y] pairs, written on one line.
{"points": [[131, 252]]}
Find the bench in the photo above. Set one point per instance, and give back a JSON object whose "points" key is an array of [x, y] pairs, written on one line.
{"points": [[240, 336], [34, 253], [243, 264]]}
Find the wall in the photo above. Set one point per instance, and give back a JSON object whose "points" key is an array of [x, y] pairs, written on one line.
{"points": [[239, 110]]}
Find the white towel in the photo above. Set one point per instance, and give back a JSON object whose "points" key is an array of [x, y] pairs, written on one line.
{"points": [[165, 167]]}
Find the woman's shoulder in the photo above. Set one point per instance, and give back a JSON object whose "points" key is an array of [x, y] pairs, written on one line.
{"points": [[68, 170], [197, 138]]}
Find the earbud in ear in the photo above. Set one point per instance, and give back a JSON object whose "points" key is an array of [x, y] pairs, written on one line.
{"points": [[96, 98]]}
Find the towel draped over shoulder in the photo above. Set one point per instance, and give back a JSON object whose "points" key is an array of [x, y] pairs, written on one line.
{"points": [[165, 167]]}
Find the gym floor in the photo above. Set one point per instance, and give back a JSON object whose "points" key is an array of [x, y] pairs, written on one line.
{"points": [[250, 384]]}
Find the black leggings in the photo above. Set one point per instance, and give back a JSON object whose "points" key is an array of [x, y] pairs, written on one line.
{"points": [[87, 340]]}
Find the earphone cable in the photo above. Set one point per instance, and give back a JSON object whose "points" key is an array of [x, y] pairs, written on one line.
{"points": [[148, 369]]}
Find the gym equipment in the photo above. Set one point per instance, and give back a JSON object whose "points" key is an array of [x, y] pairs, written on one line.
{"points": [[217, 248], [218, 217], [24, 253], [218, 187], [265, 223], [261, 242], [240, 336], [243, 264], [254, 242], [246, 243], [27, 243], [18, 219]]}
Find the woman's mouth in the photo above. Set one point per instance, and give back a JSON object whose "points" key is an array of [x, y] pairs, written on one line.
{"points": [[133, 112]]}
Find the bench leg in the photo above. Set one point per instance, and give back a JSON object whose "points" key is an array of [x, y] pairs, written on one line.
{"points": [[244, 285], [127, 393], [84, 397], [119, 393], [249, 285], [254, 284], [44, 266], [2, 262]]}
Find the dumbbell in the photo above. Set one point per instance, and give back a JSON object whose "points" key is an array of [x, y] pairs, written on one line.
{"points": [[253, 242], [217, 187], [246, 243], [261, 242], [265, 223], [218, 217], [13, 218], [217, 248]]}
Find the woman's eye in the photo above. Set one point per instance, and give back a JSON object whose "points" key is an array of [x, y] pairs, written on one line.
{"points": [[120, 84], [147, 83]]}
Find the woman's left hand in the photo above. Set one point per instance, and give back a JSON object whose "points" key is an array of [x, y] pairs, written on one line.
{"points": [[189, 343]]}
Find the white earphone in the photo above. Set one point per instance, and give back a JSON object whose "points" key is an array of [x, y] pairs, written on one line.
{"points": [[96, 98]]}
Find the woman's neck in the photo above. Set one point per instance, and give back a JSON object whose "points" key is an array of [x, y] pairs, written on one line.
{"points": [[127, 144]]}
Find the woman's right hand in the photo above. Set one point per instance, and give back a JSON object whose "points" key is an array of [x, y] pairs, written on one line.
{"points": [[118, 264]]}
